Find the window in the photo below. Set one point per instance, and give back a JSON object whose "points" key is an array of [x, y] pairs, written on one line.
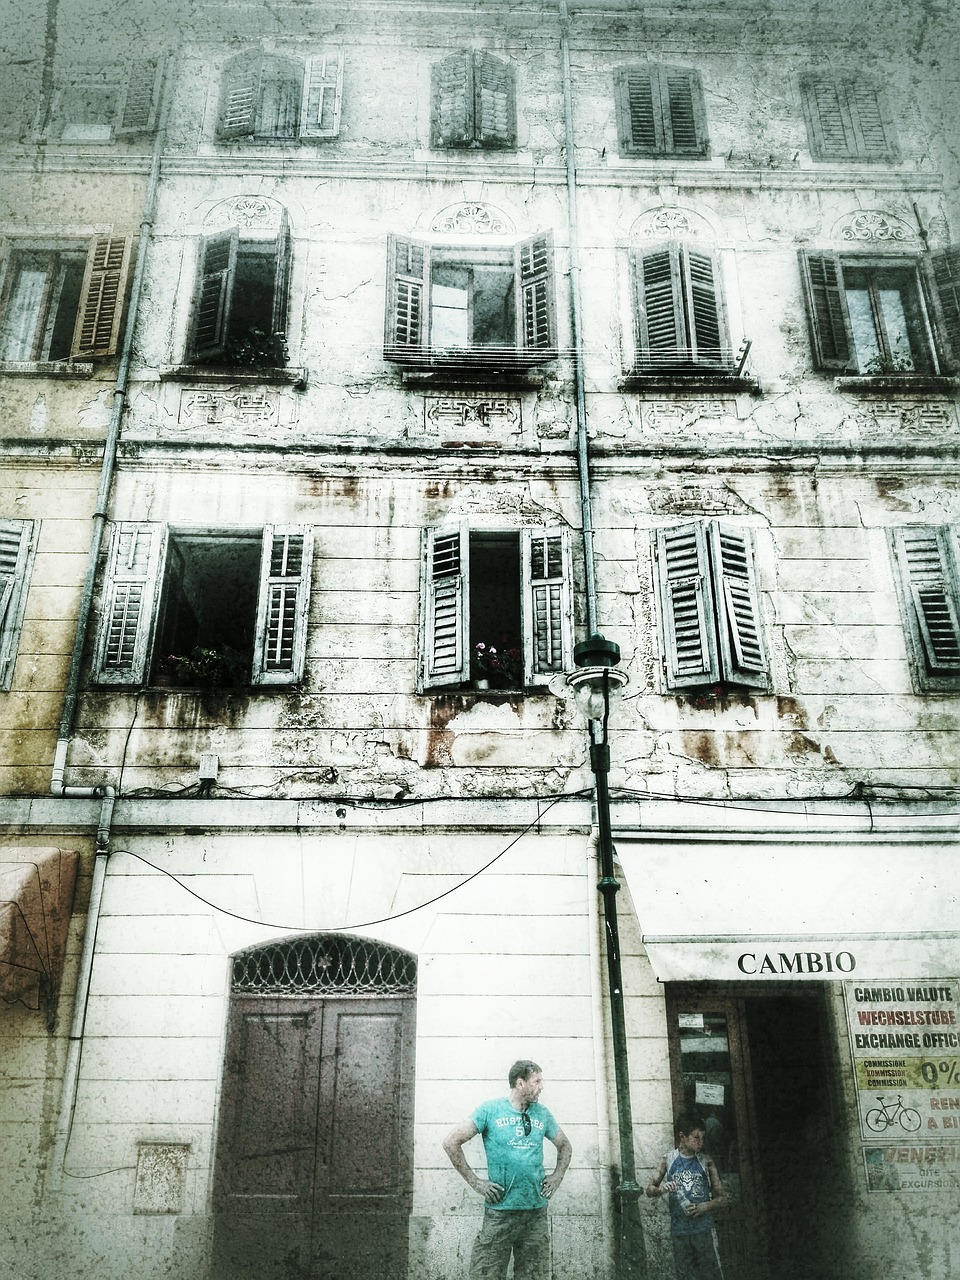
{"points": [[489, 307], [195, 606], [473, 102], [869, 314], [928, 564], [846, 119], [264, 97], [16, 554], [101, 103], [505, 591], [680, 316], [709, 607], [61, 303], [660, 112], [239, 312]]}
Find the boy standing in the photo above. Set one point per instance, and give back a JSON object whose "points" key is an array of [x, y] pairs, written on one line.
{"points": [[691, 1181]]}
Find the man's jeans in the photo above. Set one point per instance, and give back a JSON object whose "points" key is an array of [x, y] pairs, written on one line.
{"points": [[525, 1231]]}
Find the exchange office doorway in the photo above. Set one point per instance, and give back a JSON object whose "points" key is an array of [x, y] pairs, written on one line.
{"points": [[314, 1157], [758, 1068]]}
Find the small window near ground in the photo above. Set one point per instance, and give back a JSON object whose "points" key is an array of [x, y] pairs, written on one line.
{"points": [[928, 577]]}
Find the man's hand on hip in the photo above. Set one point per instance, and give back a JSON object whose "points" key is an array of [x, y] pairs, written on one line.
{"points": [[492, 1192]]}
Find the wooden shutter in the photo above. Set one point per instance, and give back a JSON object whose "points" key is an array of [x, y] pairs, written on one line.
{"points": [[536, 304], [281, 279], [873, 135], [446, 594], [406, 322], [239, 94], [743, 657], [684, 123], [639, 116], [706, 325], [830, 334], [283, 605], [97, 331], [661, 332], [16, 542], [452, 117], [126, 620], [546, 604], [495, 111], [687, 609], [931, 592], [322, 96], [845, 119], [217, 269], [140, 99], [942, 272]]}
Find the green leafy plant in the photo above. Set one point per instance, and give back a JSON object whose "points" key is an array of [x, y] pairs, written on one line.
{"points": [[501, 664]]}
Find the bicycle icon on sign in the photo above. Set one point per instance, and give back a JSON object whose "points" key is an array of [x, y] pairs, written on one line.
{"points": [[880, 1118]]}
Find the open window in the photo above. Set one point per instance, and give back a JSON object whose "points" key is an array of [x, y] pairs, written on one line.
{"points": [[679, 311], [239, 310], [847, 119], [17, 539], [711, 625], [102, 103], [63, 302], [266, 98], [928, 564], [195, 607], [490, 307], [473, 101], [497, 607], [660, 112]]}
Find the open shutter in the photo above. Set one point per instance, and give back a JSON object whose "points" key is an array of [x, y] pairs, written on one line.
{"points": [[932, 594], [16, 537], [214, 294], [661, 333], [743, 655], [452, 119], [133, 571], [495, 110], [536, 304], [681, 104], [281, 279], [707, 327], [639, 113], [406, 323], [237, 117], [686, 601], [140, 99], [322, 96], [547, 604], [830, 334], [446, 593], [97, 330], [942, 271], [283, 605]]}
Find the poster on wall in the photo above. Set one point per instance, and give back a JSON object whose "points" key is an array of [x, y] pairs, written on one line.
{"points": [[905, 1046]]}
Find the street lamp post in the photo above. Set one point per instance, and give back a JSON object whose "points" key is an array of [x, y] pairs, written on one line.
{"points": [[593, 683]]}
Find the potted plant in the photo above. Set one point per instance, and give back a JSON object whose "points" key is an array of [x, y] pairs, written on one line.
{"points": [[206, 668], [497, 666]]}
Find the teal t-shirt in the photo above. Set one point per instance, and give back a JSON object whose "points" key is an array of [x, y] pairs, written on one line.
{"points": [[515, 1158]]}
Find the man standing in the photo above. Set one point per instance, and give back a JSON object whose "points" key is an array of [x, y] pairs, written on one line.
{"points": [[516, 1190], [696, 1193]]}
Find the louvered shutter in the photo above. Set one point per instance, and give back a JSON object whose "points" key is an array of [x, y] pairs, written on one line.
{"points": [[639, 112], [873, 135], [322, 96], [830, 334], [283, 605], [932, 593], [536, 305], [453, 96], [406, 322], [97, 331], [281, 278], [681, 99], [743, 654], [705, 318], [129, 597], [547, 604], [11, 542], [845, 119], [446, 594], [140, 100], [687, 609], [495, 112], [214, 294], [942, 272], [16, 537], [239, 94], [661, 333]]}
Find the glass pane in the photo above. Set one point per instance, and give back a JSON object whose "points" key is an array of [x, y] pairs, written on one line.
{"points": [[18, 335], [494, 308], [88, 112], [450, 305], [707, 1080], [898, 329], [863, 325]]}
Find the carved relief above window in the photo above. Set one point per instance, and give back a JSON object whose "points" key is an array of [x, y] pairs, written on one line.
{"points": [[472, 219], [870, 225]]}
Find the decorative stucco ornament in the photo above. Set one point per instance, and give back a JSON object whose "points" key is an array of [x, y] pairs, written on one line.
{"points": [[665, 222], [247, 212], [871, 225], [472, 219]]}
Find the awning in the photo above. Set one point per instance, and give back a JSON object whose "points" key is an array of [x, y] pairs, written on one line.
{"points": [[726, 912], [36, 896]]}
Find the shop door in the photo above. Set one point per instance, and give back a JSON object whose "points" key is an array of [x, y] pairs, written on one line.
{"points": [[756, 1068]]}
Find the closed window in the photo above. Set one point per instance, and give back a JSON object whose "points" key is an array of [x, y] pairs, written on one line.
{"points": [[711, 625], [239, 311], [679, 311], [264, 97], [63, 302], [473, 101], [490, 307], [928, 575], [209, 608], [16, 553], [847, 119], [660, 112], [101, 103], [497, 606]]}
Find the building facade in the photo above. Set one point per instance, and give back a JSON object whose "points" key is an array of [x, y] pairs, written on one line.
{"points": [[355, 366]]}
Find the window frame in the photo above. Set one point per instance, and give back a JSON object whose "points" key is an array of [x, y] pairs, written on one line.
{"points": [[320, 80], [657, 82], [13, 589], [856, 98], [138, 87], [926, 562], [466, 109]]}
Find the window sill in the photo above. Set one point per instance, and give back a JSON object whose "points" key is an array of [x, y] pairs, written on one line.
{"points": [[465, 376], [905, 384], [48, 368], [686, 382], [214, 375]]}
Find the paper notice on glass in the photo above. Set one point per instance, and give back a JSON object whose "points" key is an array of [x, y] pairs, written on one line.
{"points": [[690, 1021], [709, 1095]]}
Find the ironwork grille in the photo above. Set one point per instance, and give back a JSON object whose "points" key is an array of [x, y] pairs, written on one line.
{"points": [[330, 963]]}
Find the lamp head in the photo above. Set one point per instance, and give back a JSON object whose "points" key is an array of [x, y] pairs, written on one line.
{"points": [[596, 680]]}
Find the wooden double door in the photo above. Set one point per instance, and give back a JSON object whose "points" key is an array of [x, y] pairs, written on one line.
{"points": [[314, 1162]]}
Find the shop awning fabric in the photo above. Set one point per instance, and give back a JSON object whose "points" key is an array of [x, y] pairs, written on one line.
{"points": [[36, 897], [845, 911]]}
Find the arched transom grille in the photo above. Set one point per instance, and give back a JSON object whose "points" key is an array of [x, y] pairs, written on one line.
{"points": [[328, 963]]}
